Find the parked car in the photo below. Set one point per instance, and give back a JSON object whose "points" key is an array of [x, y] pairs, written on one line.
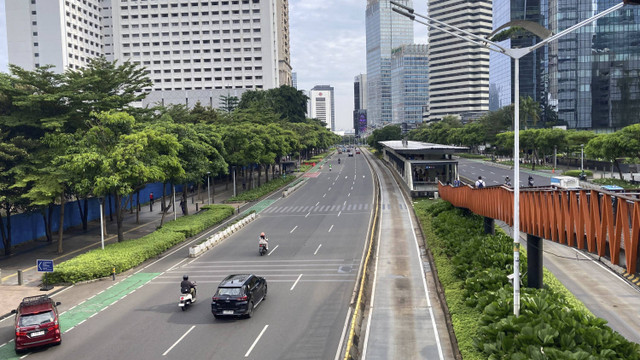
{"points": [[238, 295], [36, 323]]}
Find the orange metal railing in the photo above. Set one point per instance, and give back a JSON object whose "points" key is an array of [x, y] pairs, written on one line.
{"points": [[603, 223]]}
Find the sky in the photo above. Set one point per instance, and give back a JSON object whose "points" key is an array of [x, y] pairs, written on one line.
{"points": [[328, 46]]}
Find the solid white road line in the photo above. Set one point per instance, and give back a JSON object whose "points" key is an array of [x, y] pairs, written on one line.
{"points": [[330, 228], [274, 249], [176, 343], [294, 284], [255, 342], [292, 230], [317, 249]]}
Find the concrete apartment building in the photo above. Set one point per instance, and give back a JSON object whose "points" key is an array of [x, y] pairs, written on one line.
{"points": [[193, 50], [459, 70]]}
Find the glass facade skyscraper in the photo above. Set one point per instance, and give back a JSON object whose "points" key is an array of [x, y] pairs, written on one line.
{"points": [[386, 30], [409, 83], [590, 77]]}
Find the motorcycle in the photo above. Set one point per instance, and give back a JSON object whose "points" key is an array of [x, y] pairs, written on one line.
{"points": [[338, 161], [187, 299], [262, 249]]}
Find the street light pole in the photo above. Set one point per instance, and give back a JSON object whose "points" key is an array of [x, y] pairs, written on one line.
{"points": [[101, 200], [208, 190], [515, 54], [234, 181]]}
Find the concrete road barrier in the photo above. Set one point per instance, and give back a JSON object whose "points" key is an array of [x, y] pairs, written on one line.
{"points": [[197, 250]]}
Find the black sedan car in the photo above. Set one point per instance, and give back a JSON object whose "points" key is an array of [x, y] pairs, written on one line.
{"points": [[238, 295]]}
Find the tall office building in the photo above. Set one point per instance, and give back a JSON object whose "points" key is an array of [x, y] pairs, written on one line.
{"points": [[323, 105], [534, 68], [193, 50], [360, 104], [594, 70], [65, 34], [294, 79], [386, 30], [459, 70], [409, 83]]}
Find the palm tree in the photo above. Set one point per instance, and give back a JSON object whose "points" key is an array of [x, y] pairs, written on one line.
{"points": [[529, 109]]}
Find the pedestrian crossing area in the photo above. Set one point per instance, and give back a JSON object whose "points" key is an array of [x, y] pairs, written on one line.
{"points": [[312, 270], [344, 208]]}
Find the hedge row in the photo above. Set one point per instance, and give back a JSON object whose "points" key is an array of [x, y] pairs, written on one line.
{"points": [[473, 269], [128, 254], [262, 190], [576, 173], [192, 225]]}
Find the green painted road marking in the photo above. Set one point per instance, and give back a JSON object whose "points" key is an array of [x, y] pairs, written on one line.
{"points": [[260, 206], [99, 302], [90, 307]]}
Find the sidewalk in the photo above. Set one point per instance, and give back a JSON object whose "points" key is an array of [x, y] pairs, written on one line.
{"points": [[76, 242]]}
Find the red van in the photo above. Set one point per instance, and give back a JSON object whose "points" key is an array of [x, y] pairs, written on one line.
{"points": [[36, 323]]}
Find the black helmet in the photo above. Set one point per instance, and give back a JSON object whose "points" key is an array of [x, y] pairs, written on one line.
{"points": [[185, 277]]}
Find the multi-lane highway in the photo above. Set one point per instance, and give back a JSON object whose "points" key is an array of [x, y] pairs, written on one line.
{"points": [[317, 238]]}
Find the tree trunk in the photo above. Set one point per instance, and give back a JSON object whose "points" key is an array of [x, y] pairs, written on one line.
{"points": [[61, 224], [138, 207], [259, 174], [226, 185], [164, 208], [47, 228], [6, 236], [83, 213], [617, 164], [119, 216], [110, 209], [185, 207], [213, 189]]}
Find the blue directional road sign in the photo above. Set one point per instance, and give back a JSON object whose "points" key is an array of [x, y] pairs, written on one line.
{"points": [[44, 265]]}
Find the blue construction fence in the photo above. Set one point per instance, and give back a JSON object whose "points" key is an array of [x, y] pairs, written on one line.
{"points": [[30, 226]]}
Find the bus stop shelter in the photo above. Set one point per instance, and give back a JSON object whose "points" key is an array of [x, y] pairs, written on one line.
{"points": [[422, 165]]}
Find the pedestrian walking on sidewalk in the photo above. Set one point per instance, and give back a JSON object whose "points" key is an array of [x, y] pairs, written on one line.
{"points": [[151, 201]]}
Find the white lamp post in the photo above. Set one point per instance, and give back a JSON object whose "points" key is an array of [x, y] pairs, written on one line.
{"points": [[208, 191], [101, 200], [515, 54]]}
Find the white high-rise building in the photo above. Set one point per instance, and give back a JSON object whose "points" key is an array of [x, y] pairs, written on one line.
{"points": [[458, 69], [65, 34], [322, 105], [193, 50]]}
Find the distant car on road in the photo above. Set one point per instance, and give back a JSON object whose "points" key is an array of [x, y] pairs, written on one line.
{"points": [[238, 295], [350, 154], [36, 323], [357, 151]]}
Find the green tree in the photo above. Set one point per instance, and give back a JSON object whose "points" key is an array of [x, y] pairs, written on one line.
{"points": [[124, 157], [228, 103], [389, 132], [529, 109]]}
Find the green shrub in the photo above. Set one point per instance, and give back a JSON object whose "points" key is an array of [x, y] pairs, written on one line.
{"points": [[123, 256], [472, 156], [576, 173], [194, 224], [264, 189], [473, 269], [128, 254]]}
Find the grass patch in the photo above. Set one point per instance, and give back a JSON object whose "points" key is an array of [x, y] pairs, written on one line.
{"points": [[621, 183], [576, 173]]}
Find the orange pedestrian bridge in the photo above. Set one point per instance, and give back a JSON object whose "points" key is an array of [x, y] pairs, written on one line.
{"points": [[601, 222]]}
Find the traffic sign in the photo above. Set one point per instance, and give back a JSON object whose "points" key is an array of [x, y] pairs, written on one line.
{"points": [[44, 265]]}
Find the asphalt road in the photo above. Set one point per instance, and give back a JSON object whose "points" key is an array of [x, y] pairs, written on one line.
{"points": [[317, 237], [495, 174]]}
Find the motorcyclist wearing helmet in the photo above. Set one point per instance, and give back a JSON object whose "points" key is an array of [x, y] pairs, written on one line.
{"points": [[262, 239], [187, 286]]}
